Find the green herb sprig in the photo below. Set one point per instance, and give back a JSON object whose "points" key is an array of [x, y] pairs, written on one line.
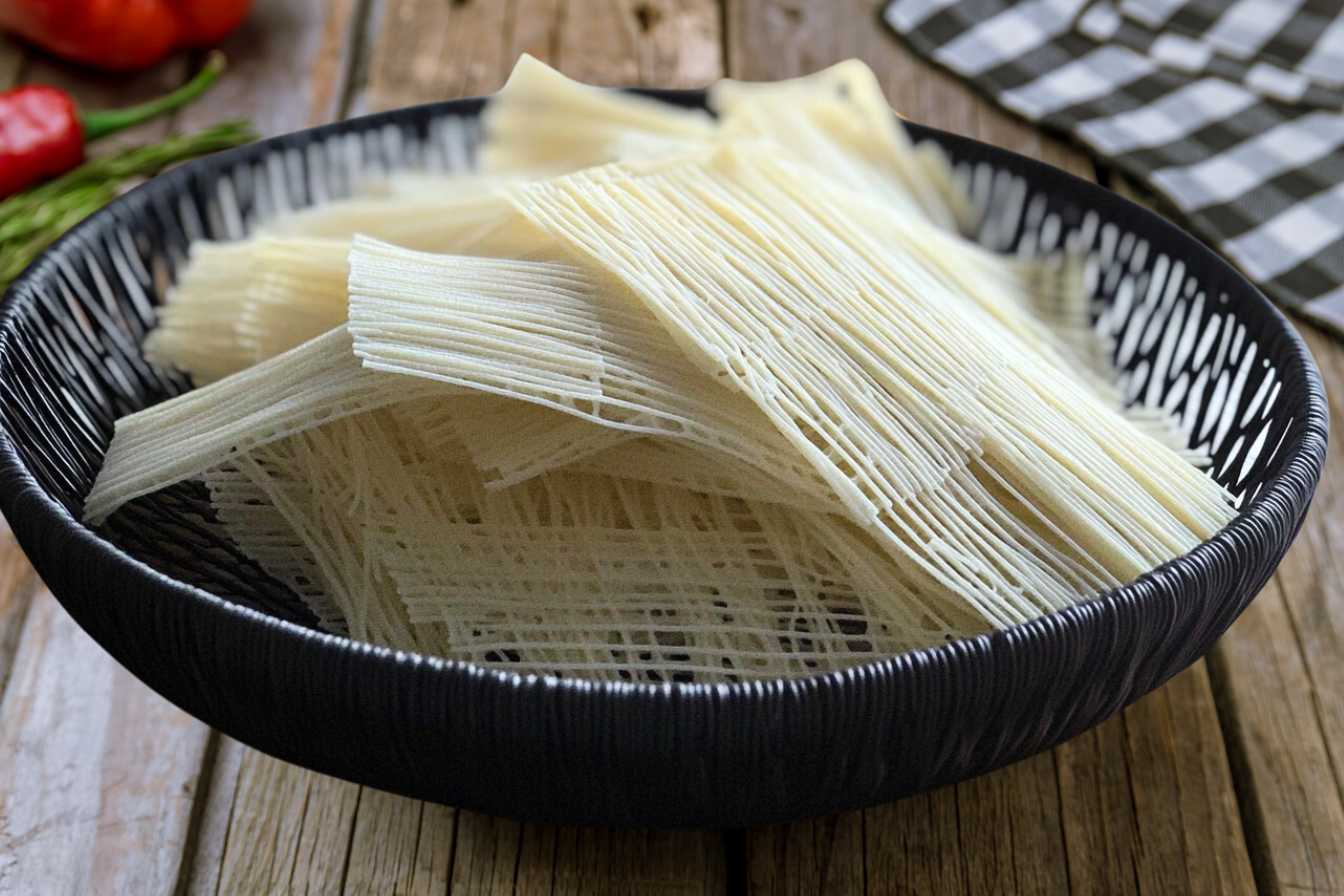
{"points": [[32, 220]]}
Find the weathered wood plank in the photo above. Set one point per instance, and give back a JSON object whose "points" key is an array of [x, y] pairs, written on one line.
{"points": [[488, 856], [1190, 828], [822, 855], [288, 66], [382, 847], [100, 774], [204, 854], [434, 851], [1294, 814], [498, 856], [601, 862], [421, 51], [384, 851], [18, 582], [1014, 817], [289, 830], [1279, 679], [662, 43], [424, 50]]}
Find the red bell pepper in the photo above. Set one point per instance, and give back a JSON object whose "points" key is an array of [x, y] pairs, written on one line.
{"points": [[42, 133], [121, 35]]}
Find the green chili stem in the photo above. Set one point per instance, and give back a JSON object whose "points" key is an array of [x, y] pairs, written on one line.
{"points": [[108, 121]]}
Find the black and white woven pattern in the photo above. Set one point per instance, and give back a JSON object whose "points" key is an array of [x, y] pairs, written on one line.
{"points": [[165, 593], [1190, 97]]}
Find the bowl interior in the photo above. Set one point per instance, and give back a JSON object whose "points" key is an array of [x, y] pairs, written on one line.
{"points": [[1189, 336]]}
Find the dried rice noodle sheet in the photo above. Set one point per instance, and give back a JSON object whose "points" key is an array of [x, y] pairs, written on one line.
{"points": [[319, 481], [547, 334], [512, 441], [181, 438], [298, 294], [417, 185], [681, 465], [240, 303], [543, 123], [484, 224], [280, 293], [601, 577], [258, 527], [570, 574], [1043, 301], [589, 575], [197, 324], [252, 521], [967, 454], [838, 121]]}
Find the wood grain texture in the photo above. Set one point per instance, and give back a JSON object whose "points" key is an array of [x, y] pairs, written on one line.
{"points": [[1280, 679], [288, 65], [821, 855], [289, 830], [610, 863], [100, 773], [1013, 816], [204, 854], [426, 50], [1149, 802], [18, 582], [495, 855], [400, 846]]}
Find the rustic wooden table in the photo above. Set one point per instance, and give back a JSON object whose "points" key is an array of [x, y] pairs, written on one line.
{"points": [[1227, 780]]}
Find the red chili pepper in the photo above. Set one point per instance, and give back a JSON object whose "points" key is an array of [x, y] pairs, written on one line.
{"points": [[42, 133], [121, 35]]}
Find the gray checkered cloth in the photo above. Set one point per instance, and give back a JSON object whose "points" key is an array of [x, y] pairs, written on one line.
{"points": [[1232, 111]]}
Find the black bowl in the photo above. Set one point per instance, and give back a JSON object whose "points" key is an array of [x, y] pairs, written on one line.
{"points": [[184, 611]]}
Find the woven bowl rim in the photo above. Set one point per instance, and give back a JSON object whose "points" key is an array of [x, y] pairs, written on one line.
{"points": [[30, 509]]}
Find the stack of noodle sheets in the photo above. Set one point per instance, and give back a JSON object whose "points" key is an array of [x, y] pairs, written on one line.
{"points": [[649, 395]]}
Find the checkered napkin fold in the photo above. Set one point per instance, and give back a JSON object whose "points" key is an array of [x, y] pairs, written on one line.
{"points": [[1233, 111]]}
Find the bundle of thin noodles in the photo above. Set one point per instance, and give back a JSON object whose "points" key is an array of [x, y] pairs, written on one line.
{"points": [[838, 121], [543, 123], [656, 396], [937, 430]]}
